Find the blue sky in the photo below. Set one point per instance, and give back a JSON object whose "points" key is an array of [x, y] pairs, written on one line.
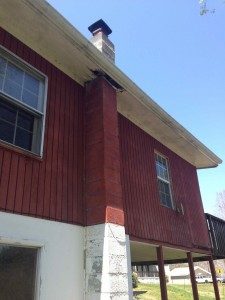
{"points": [[177, 57]]}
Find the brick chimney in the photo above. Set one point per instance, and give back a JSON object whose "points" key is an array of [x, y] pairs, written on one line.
{"points": [[100, 31]]}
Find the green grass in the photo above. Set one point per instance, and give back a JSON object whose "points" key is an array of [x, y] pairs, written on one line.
{"points": [[177, 292]]}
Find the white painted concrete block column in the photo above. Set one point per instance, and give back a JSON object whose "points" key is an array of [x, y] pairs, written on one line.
{"points": [[108, 265]]}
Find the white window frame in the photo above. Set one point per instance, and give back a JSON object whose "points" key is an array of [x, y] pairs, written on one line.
{"points": [[169, 182], [19, 62], [28, 244]]}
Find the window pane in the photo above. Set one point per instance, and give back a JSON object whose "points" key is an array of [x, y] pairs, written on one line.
{"points": [[168, 201], [161, 172], [165, 174], [13, 89], [7, 112], [161, 168], [23, 138], [160, 185], [167, 189], [31, 84], [15, 74], [25, 120], [163, 162], [2, 65], [17, 272], [157, 168], [1, 81], [6, 132], [164, 193], [30, 98]]}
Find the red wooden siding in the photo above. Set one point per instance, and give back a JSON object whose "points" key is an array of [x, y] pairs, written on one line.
{"points": [[145, 217], [52, 187]]}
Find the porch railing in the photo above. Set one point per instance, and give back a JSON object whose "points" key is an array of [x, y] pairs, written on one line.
{"points": [[216, 228]]}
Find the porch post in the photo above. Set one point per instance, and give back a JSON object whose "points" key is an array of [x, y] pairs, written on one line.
{"points": [[162, 276], [192, 275], [215, 283]]}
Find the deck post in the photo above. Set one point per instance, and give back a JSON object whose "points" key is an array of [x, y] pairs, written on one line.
{"points": [[192, 275], [215, 283], [162, 276]]}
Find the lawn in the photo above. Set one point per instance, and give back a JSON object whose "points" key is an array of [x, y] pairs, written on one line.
{"points": [[177, 292]]}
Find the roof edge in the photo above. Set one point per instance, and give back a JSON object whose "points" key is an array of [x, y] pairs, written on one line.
{"points": [[86, 47]]}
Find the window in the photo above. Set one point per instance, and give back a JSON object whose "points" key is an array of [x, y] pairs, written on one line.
{"points": [[163, 178], [17, 272], [22, 93]]}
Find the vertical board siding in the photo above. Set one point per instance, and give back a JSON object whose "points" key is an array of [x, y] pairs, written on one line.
{"points": [[51, 188], [145, 217]]}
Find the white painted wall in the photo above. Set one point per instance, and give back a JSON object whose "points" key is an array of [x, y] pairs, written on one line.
{"points": [[61, 264], [149, 280], [180, 281]]}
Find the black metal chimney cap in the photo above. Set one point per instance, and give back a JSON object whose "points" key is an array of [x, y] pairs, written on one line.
{"points": [[100, 25]]}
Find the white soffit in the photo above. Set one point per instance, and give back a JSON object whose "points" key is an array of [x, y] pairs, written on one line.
{"points": [[43, 29], [145, 252]]}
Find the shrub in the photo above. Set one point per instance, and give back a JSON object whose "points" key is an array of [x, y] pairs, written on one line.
{"points": [[134, 280]]}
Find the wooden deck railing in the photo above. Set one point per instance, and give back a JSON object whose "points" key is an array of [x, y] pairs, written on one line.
{"points": [[216, 228]]}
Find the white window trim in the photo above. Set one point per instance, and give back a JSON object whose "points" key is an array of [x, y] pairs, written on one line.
{"points": [[169, 182], [29, 244], [15, 59]]}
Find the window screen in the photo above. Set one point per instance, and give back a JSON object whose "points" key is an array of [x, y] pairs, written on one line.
{"points": [[17, 272]]}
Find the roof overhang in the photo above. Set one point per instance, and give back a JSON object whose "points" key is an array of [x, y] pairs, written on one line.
{"points": [[42, 28]]}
